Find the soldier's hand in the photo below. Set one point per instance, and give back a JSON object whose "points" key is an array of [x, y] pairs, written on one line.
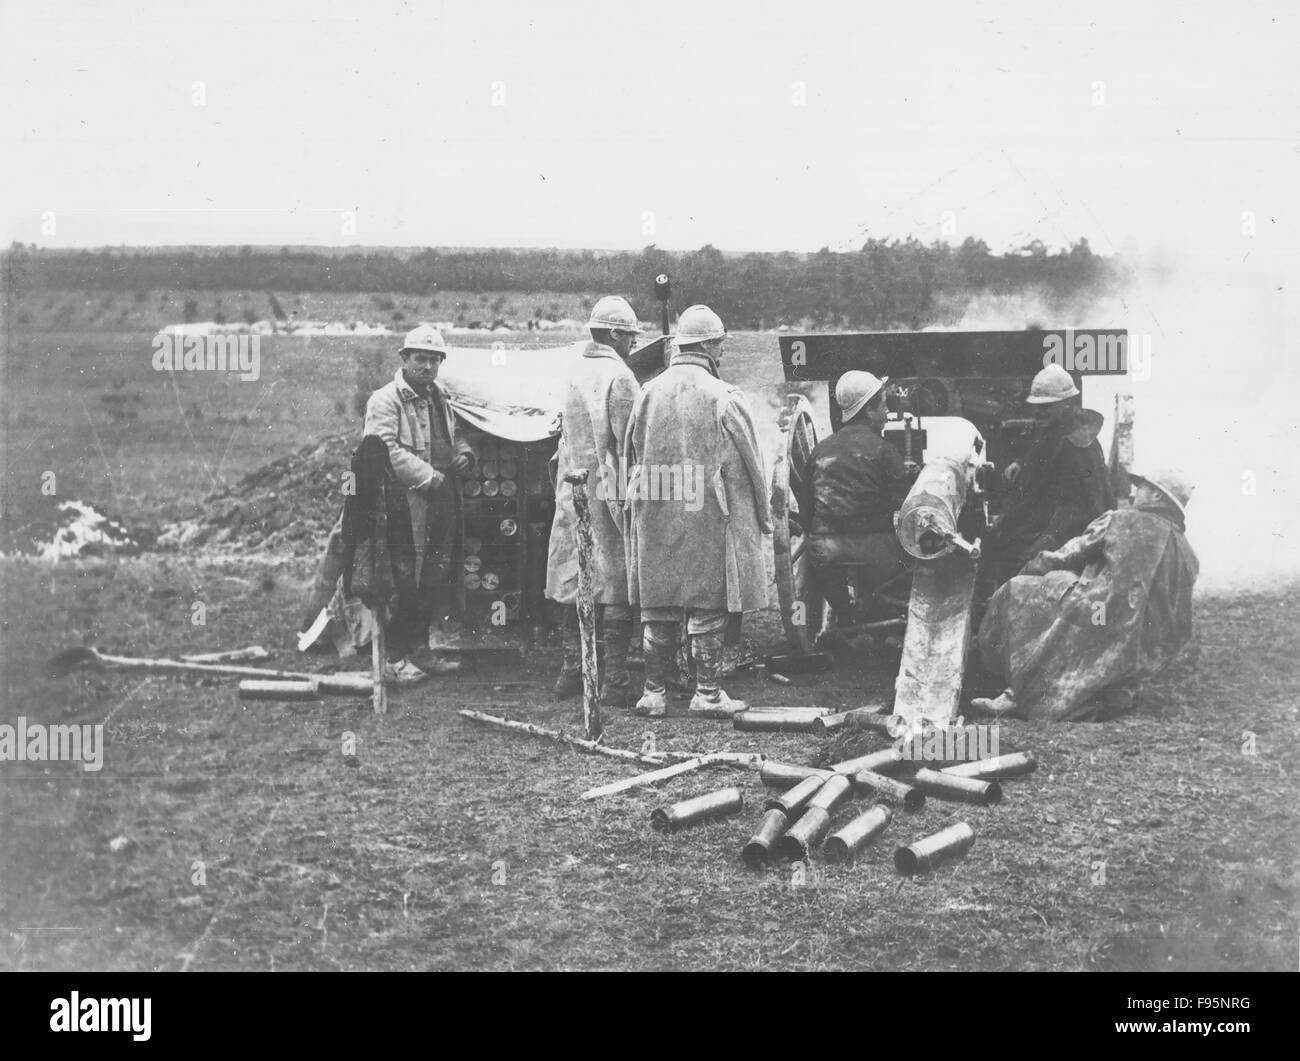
{"points": [[911, 467], [460, 464], [433, 484]]}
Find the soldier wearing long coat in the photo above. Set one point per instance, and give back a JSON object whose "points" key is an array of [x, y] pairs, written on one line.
{"points": [[698, 499], [597, 406], [413, 417]]}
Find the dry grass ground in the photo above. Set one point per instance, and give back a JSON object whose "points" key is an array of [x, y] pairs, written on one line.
{"points": [[1151, 843]]}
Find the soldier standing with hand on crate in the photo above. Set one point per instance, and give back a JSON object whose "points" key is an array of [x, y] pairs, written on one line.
{"points": [[597, 405], [411, 414]]}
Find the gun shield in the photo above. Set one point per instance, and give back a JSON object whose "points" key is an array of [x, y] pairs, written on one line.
{"points": [[793, 801], [888, 790], [783, 775], [689, 811], [965, 789], [832, 791], [804, 835], [1015, 764], [857, 834], [758, 852], [928, 853]]}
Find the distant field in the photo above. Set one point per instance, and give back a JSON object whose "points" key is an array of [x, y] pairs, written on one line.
{"points": [[131, 311]]}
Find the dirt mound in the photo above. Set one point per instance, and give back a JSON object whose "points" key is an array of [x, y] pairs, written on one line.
{"points": [[288, 505]]}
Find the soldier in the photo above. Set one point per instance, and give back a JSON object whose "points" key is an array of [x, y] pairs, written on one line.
{"points": [[858, 482], [699, 509], [410, 413], [597, 406], [1061, 487], [1075, 632]]}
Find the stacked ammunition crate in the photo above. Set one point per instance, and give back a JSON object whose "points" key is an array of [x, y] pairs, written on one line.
{"points": [[509, 504]]}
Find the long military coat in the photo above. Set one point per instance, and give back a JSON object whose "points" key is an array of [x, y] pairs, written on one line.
{"points": [[597, 407], [402, 418], [697, 493]]}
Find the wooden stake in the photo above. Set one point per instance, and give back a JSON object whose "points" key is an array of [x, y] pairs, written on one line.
{"points": [[586, 605], [378, 657]]}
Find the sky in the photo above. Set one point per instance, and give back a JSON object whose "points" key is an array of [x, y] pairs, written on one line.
{"points": [[752, 125]]}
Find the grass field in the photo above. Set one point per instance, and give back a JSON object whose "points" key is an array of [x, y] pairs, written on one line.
{"points": [[228, 835]]}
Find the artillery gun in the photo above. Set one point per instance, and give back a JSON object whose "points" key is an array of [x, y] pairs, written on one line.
{"points": [[956, 405]]}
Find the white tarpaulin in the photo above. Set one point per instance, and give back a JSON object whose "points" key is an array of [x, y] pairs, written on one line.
{"points": [[513, 394], [518, 395]]}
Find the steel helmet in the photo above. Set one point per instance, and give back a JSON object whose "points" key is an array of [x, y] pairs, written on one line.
{"points": [[425, 338], [1171, 482], [698, 324], [855, 389], [1052, 384], [614, 312]]}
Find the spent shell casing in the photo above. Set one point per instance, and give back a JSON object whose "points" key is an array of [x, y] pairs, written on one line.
{"points": [[774, 721], [1013, 764], [758, 852], [882, 762], [889, 790], [794, 800], [783, 775], [689, 811], [857, 834], [804, 835], [928, 853], [964, 789], [832, 791]]}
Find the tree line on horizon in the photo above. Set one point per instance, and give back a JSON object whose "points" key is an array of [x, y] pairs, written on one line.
{"points": [[882, 285]]}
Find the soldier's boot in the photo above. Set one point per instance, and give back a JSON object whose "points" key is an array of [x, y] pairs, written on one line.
{"points": [[616, 689], [659, 644], [709, 699], [569, 683]]}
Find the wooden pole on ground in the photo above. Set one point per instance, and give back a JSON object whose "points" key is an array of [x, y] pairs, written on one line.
{"points": [[655, 776], [658, 759], [378, 654], [586, 605]]}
